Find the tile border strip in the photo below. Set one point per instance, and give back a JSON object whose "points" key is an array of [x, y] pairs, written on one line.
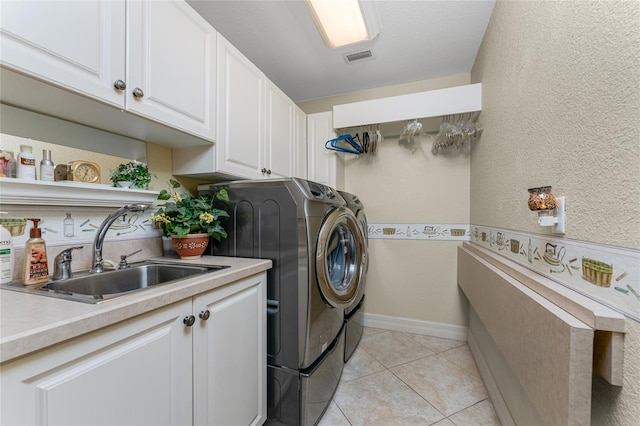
{"points": [[85, 223], [419, 231], [607, 274]]}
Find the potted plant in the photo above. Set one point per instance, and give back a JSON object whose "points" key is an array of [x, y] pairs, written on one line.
{"points": [[190, 221], [133, 174]]}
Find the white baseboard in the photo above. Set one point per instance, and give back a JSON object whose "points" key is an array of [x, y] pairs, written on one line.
{"points": [[492, 387], [429, 328]]}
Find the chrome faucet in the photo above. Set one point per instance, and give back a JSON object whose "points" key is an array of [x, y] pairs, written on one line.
{"points": [[96, 262], [62, 264]]}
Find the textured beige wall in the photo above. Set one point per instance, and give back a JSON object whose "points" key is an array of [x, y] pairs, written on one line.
{"points": [[409, 279], [560, 84], [561, 104]]}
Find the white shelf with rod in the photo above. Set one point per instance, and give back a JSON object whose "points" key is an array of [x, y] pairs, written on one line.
{"points": [[433, 103]]}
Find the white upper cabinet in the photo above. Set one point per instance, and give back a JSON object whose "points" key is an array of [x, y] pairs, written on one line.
{"points": [[300, 143], [280, 151], [241, 97], [261, 133], [171, 65], [324, 166], [153, 58], [77, 45]]}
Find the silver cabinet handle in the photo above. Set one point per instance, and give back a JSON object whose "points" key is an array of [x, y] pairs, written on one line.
{"points": [[119, 85], [189, 320], [269, 172], [204, 315], [137, 92], [264, 170]]}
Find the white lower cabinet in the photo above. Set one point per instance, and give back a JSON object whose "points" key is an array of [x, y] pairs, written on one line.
{"points": [[230, 355], [152, 369]]}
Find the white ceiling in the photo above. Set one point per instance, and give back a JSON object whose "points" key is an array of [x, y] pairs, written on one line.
{"points": [[418, 40]]}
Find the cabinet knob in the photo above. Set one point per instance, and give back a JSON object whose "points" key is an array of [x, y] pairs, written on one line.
{"points": [[119, 85], [204, 315], [137, 92], [269, 172], [189, 321], [264, 171]]}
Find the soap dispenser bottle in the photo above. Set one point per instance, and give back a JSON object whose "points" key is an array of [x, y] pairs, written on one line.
{"points": [[6, 255], [36, 268]]}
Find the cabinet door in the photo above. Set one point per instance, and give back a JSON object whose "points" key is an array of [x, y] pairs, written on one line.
{"points": [[280, 129], [171, 65], [240, 124], [76, 45], [230, 355], [325, 166], [300, 143], [137, 372]]}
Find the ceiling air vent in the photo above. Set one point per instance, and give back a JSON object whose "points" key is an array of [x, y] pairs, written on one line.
{"points": [[362, 55]]}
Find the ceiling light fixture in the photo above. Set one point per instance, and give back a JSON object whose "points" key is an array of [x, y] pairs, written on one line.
{"points": [[344, 22]]}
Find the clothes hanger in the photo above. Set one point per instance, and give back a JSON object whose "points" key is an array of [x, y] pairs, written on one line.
{"points": [[338, 144]]}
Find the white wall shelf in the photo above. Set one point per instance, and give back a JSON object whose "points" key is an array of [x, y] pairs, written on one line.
{"points": [[66, 193], [433, 103]]}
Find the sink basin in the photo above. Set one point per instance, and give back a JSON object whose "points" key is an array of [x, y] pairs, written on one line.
{"points": [[96, 288]]}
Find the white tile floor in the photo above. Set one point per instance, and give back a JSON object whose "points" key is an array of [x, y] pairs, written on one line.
{"points": [[396, 378]]}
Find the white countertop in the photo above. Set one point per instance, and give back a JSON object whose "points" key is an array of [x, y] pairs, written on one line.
{"points": [[30, 322]]}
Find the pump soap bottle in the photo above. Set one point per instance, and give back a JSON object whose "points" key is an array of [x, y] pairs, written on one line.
{"points": [[36, 269], [6, 255]]}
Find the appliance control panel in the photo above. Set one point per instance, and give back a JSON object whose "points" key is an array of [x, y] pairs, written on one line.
{"points": [[320, 191]]}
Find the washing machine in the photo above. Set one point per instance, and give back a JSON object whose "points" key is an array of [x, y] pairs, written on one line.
{"points": [[318, 254], [353, 314]]}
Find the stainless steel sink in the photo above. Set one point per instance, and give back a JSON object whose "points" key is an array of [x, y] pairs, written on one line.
{"points": [[96, 288]]}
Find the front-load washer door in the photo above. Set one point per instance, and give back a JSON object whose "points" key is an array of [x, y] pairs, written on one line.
{"points": [[340, 258], [364, 226]]}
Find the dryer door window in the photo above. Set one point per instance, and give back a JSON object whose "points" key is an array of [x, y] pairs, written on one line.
{"points": [[340, 258]]}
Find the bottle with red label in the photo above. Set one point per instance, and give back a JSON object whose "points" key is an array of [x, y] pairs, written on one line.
{"points": [[26, 167], [36, 268]]}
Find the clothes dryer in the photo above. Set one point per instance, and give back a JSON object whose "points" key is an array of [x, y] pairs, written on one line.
{"points": [[317, 250], [353, 314]]}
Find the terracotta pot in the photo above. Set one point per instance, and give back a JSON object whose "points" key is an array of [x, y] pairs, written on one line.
{"points": [[191, 246]]}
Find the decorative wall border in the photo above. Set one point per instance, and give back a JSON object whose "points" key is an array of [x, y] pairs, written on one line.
{"points": [[419, 231], [610, 275], [82, 226]]}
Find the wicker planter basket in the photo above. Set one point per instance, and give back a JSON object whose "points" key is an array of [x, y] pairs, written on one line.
{"points": [[456, 232], [15, 226], [596, 272]]}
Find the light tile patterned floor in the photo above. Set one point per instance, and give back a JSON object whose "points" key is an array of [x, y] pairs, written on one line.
{"points": [[396, 378]]}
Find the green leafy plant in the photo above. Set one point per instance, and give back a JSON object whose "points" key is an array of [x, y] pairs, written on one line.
{"points": [[134, 171], [186, 214]]}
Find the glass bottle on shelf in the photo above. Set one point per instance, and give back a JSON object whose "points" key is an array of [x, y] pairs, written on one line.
{"points": [[68, 228]]}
